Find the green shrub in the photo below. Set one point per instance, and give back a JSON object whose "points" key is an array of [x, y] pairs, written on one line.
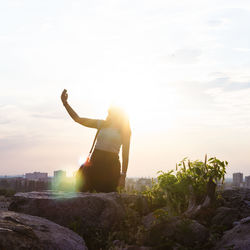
{"points": [[175, 188], [7, 192]]}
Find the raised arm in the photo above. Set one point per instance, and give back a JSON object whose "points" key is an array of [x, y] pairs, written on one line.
{"points": [[91, 123]]}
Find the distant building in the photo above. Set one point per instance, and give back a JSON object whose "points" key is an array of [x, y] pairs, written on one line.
{"points": [[36, 176], [237, 179], [247, 181], [130, 184], [59, 174], [143, 183]]}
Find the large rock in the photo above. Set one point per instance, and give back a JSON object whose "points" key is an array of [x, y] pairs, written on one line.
{"points": [[163, 230], [4, 203], [225, 217], [92, 215], [237, 238], [119, 245], [238, 199], [21, 231], [103, 210]]}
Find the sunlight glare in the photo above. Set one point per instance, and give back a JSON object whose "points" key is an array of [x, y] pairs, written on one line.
{"points": [[145, 105]]}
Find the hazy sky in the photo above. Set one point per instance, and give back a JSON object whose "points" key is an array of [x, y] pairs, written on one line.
{"points": [[180, 68]]}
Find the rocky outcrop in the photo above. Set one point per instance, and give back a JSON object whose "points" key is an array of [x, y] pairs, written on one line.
{"points": [[91, 215], [119, 245], [4, 203], [237, 199], [225, 216], [124, 221], [92, 210], [161, 229], [237, 238], [21, 231]]}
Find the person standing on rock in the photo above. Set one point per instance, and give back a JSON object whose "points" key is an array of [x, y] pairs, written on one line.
{"points": [[103, 172]]}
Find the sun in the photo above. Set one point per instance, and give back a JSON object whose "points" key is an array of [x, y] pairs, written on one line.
{"points": [[148, 106]]}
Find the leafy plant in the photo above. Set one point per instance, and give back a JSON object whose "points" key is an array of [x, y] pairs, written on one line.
{"points": [[175, 188], [7, 192]]}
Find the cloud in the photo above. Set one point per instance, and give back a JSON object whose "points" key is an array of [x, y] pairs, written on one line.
{"points": [[221, 102], [4, 121], [218, 23], [29, 121], [47, 115], [242, 49], [231, 101], [14, 142], [227, 84], [184, 56], [11, 113]]}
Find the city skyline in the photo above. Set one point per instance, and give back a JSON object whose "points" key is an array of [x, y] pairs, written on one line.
{"points": [[64, 172]]}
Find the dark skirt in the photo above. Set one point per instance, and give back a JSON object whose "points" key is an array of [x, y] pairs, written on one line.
{"points": [[103, 172]]}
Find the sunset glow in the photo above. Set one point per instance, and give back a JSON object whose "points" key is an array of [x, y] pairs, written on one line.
{"points": [[179, 68]]}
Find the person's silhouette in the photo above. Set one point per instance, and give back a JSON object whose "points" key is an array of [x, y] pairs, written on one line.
{"points": [[104, 174]]}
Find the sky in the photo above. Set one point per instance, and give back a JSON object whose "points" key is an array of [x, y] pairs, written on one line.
{"points": [[179, 68]]}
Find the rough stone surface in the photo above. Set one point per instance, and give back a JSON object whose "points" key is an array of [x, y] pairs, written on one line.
{"points": [[65, 208], [160, 230], [21, 231], [4, 203], [119, 245], [238, 238], [134, 247], [238, 199], [190, 233], [85, 213], [225, 216], [95, 215]]}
